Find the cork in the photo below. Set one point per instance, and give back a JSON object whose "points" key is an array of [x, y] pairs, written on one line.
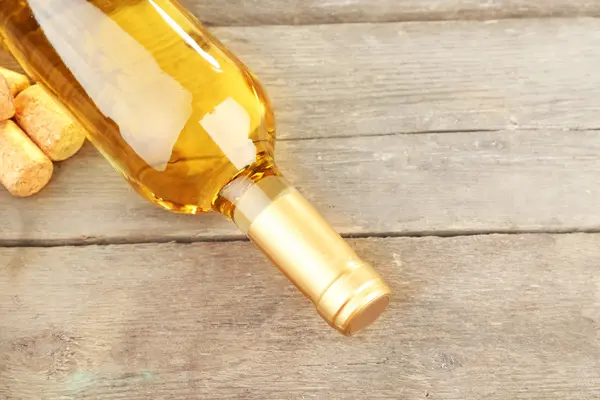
{"points": [[48, 123], [24, 169], [7, 104], [16, 82]]}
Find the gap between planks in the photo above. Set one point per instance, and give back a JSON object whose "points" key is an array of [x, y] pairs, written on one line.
{"points": [[437, 132], [399, 21], [124, 241]]}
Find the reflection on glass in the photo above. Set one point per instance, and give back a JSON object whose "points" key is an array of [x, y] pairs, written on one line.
{"points": [[184, 35], [228, 125], [114, 77]]}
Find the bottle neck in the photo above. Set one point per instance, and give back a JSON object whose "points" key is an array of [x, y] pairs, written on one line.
{"points": [[347, 292]]}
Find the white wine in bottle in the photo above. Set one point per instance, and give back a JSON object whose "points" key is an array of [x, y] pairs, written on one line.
{"points": [[191, 129]]}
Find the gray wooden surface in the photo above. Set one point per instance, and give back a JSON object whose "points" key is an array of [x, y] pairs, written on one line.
{"points": [[442, 184], [495, 317], [478, 141], [346, 80]]}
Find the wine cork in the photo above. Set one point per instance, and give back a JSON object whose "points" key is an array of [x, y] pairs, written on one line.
{"points": [[7, 104], [48, 123], [24, 169], [16, 82]]}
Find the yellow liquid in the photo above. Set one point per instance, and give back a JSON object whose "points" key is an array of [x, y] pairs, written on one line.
{"points": [[173, 110]]}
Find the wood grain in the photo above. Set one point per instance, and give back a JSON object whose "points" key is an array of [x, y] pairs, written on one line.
{"points": [[495, 317], [404, 184], [372, 79], [293, 12]]}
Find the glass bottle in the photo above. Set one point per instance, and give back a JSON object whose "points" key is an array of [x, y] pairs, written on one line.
{"points": [[191, 129]]}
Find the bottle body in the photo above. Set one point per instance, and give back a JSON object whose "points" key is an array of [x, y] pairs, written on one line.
{"points": [[191, 129], [174, 111]]}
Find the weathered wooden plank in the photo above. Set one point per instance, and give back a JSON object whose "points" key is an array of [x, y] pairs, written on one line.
{"points": [[365, 79], [403, 184], [495, 317], [348, 80], [261, 12]]}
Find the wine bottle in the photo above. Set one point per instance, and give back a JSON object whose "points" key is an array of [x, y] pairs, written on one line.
{"points": [[191, 129]]}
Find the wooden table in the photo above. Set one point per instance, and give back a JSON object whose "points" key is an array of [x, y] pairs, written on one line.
{"points": [[457, 147]]}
